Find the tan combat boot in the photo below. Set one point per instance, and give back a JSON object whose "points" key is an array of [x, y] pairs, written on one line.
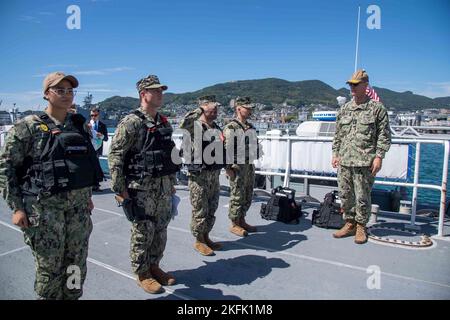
{"points": [[347, 230], [246, 226], [201, 246], [237, 229], [361, 236], [149, 284], [164, 278], [213, 245]]}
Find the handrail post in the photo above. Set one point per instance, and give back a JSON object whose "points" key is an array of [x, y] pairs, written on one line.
{"points": [[288, 164], [443, 190], [414, 196], [306, 186]]}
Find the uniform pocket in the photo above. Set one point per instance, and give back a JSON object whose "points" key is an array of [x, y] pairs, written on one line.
{"points": [[366, 124], [144, 205], [345, 123], [32, 210], [167, 185]]}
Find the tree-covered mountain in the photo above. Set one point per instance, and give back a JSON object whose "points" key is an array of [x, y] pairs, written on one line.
{"points": [[272, 91], [117, 103]]}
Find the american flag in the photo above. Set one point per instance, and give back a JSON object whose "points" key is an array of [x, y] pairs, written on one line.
{"points": [[370, 92]]}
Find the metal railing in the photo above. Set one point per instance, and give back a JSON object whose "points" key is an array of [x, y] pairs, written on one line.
{"points": [[442, 188], [418, 131], [415, 185]]}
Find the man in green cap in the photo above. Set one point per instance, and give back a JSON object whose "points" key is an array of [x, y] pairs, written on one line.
{"points": [[142, 171], [361, 140], [203, 173], [242, 149]]}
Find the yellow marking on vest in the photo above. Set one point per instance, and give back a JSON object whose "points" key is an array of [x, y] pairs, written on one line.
{"points": [[43, 127]]}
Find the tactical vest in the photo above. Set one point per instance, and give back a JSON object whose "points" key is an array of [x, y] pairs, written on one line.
{"points": [[329, 215], [282, 206], [197, 167], [247, 148], [66, 161], [152, 156]]}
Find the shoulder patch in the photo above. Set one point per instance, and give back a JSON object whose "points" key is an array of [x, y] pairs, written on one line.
{"points": [[131, 122], [43, 127], [27, 126]]}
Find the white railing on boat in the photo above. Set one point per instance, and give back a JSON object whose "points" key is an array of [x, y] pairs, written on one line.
{"points": [[415, 185], [442, 188]]}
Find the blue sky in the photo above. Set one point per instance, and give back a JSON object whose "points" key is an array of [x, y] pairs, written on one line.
{"points": [[191, 44]]}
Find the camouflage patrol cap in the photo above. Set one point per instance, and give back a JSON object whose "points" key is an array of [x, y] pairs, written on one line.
{"points": [[149, 82], [243, 102], [359, 76], [52, 79], [206, 99]]}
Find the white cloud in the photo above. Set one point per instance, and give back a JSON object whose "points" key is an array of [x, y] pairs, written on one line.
{"points": [[61, 66], [100, 72], [20, 94], [94, 85], [29, 19], [93, 90], [436, 89], [23, 100], [41, 75], [97, 72]]}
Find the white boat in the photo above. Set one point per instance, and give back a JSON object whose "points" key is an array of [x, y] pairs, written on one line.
{"points": [[325, 115]]}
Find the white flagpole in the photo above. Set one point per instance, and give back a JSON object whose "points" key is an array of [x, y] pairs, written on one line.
{"points": [[357, 39]]}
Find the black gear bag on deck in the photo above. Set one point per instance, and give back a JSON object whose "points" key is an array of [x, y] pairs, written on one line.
{"points": [[329, 214], [282, 206]]}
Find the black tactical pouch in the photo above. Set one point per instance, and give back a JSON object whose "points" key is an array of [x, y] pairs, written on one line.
{"points": [[132, 210]]}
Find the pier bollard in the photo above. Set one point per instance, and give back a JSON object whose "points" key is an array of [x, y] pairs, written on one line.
{"points": [[374, 214]]}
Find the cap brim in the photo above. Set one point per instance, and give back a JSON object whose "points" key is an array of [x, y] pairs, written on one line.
{"points": [[353, 81], [73, 81], [156, 86]]}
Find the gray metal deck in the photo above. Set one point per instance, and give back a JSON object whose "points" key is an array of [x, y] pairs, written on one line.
{"points": [[279, 262]]}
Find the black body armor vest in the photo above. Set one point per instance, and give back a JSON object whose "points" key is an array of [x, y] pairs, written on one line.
{"points": [[152, 157], [66, 162], [197, 167]]}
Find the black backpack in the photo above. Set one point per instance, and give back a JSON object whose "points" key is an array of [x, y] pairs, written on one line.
{"points": [[282, 206], [328, 216]]}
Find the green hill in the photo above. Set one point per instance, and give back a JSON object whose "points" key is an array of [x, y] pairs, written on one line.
{"points": [[117, 103], [272, 91], [267, 91]]}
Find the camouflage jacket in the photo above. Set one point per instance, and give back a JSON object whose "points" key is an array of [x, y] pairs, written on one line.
{"points": [[126, 136], [238, 130], [24, 141], [362, 133], [191, 121]]}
